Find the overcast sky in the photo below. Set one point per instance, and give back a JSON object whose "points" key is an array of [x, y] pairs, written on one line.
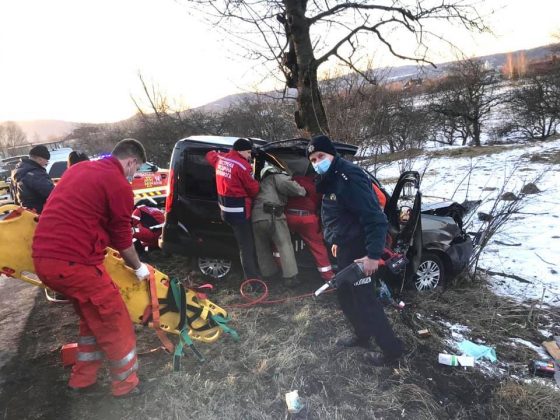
{"points": [[79, 60]]}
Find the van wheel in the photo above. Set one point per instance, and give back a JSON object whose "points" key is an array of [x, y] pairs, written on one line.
{"points": [[430, 273], [214, 267]]}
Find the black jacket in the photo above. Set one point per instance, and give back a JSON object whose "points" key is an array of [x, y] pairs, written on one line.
{"points": [[32, 184], [350, 210]]}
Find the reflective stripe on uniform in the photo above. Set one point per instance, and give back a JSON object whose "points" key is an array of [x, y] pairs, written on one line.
{"points": [[276, 254], [234, 162], [232, 209], [89, 356], [135, 217], [115, 364], [86, 340], [324, 269], [123, 375]]}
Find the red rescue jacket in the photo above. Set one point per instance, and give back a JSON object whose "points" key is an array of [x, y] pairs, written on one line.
{"points": [[235, 185], [88, 210], [311, 201]]}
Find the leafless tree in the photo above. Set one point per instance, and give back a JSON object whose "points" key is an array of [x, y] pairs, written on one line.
{"points": [[11, 135], [466, 99], [535, 107], [258, 117], [298, 36]]}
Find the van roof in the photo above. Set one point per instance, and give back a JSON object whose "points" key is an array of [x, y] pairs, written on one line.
{"points": [[221, 140]]}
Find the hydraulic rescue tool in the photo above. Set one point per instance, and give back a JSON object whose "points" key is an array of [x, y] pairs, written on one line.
{"points": [[394, 263], [161, 303]]}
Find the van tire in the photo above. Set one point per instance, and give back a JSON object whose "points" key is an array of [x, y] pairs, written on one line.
{"points": [[216, 268]]}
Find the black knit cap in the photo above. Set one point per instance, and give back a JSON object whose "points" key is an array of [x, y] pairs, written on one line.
{"points": [[40, 151], [242, 144], [320, 143]]}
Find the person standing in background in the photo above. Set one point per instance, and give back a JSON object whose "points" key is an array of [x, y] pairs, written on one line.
{"points": [[270, 226], [30, 180], [236, 189]]}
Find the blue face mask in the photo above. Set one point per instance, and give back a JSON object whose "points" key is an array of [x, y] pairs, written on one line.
{"points": [[322, 166]]}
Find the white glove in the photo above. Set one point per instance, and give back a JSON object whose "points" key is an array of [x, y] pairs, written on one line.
{"points": [[142, 272]]}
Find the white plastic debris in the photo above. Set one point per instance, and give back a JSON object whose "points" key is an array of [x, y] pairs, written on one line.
{"points": [[293, 401], [453, 360]]}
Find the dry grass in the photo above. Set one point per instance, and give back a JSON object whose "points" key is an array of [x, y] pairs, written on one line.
{"points": [[527, 401], [292, 346]]}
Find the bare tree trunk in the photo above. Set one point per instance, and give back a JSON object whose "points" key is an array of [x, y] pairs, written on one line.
{"points": [[476, 132], [310, 114]]}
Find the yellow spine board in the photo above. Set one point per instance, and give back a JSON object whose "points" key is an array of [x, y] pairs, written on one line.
{"points": [[16, 235]]}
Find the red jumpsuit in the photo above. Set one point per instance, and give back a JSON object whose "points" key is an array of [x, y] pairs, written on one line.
{"points": [[87, 211], [147, 223], [301, 213]]}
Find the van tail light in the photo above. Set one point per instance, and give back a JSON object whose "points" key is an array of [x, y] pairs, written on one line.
{"points": [[170, 191]]}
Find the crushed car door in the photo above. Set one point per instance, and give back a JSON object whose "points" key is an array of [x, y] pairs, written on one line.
{"points": [[403, 214]]}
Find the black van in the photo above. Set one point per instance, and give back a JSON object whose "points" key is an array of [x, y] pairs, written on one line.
{"points": [[435, 245]]}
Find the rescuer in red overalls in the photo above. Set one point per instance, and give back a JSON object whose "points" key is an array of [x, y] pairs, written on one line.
{"points": [[147, 224], [89, 210], [236, 189], [301, 213]]}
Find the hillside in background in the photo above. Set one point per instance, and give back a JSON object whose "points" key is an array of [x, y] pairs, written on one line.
{"points": [[50, 129], [46, 129]]}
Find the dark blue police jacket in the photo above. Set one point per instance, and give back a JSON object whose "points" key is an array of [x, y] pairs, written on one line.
{"points": [[350, 210]]}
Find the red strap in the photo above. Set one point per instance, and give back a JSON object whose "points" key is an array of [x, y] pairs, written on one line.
{"points": [[155, 313], [14, 213]]}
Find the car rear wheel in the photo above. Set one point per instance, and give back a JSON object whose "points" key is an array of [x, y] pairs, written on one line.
{"points": [[430, 273], [214, 267]]}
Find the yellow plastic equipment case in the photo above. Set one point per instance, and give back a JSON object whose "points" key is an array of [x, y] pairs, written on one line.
{"points": [[203, 320]]}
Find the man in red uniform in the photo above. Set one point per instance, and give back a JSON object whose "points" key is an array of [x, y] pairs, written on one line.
{"points": [[89, 210], [236, 189], [301, 213]]}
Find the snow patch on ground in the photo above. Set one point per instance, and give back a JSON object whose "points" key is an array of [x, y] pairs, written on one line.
{"points": [[532, 237]]}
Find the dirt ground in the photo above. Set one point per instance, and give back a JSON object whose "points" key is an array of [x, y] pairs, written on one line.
{"points": [[284, 347]]}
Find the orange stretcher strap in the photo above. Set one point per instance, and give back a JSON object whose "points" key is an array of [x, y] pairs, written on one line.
{"points": [[153, 309]]}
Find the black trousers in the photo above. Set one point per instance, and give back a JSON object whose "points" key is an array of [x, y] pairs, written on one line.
{"points": [[244, 235], [361, 306]]}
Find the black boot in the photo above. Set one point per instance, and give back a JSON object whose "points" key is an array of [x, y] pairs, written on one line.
{"points": [[354, 341]]}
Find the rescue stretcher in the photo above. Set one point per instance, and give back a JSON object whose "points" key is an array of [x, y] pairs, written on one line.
{"points": [[161, 303]]}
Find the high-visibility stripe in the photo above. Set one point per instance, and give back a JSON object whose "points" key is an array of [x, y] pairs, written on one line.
{"points": [[115, 364], [276, 254], [157, 226], [89, 356], [234, 162], [136, 217], [324, 269], [182, 226], [123, 375], [232, 209], [87, 340]]}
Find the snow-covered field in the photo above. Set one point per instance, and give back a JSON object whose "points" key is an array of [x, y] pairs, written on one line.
{"points": [[528, 246]]}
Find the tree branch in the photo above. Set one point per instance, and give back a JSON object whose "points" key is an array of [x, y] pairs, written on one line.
{"points": [[357, 6]]}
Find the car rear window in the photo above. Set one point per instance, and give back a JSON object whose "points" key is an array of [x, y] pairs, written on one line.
{"points": [[198, 180]]}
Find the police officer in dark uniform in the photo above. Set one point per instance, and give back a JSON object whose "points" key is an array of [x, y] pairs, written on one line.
{"points": [[355, 227], [32, 184]]}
